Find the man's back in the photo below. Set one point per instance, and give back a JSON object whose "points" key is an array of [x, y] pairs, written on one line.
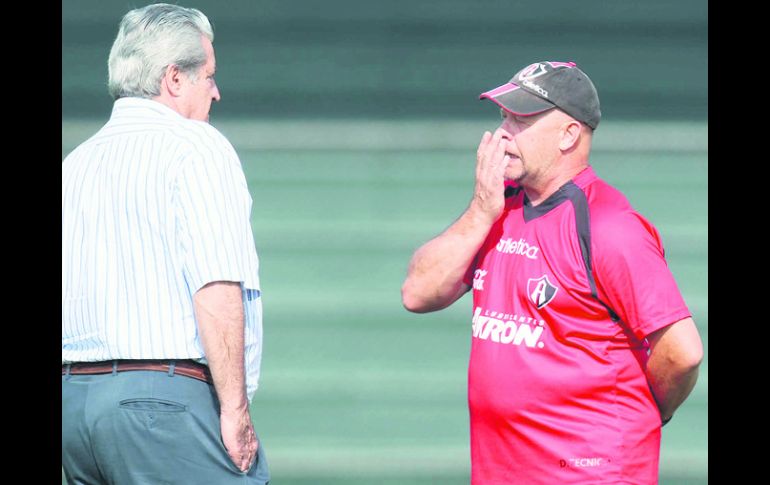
{"points": [[140, 201]]}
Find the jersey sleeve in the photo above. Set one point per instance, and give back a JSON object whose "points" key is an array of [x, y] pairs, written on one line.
{"points": [[213, 217], [633, 276], [468, 277]]}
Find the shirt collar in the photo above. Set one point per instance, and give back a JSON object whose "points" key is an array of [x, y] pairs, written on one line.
{"points": [[133, 107]]}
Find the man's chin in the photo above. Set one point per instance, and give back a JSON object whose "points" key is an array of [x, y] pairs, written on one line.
{"points": [[513, 175]]}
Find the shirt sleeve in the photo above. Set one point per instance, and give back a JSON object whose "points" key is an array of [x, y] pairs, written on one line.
{"points": [[468, 277], [633, 277], [213, 218]]}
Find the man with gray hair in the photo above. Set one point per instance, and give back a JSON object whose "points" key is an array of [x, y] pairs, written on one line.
{"points": [[161, 302]]}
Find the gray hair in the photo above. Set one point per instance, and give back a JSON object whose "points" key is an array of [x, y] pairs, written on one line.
{"points": [[149, 40]]}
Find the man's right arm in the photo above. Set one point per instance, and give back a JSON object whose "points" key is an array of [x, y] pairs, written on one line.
{"points": [[434, 279], [435, 276]]}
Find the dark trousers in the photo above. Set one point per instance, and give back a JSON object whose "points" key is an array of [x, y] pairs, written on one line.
{"points": [[149, 428]]}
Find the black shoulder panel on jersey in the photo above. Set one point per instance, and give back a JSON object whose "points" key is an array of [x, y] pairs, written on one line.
{"points": [[554, 200], [583, 224], [510, 191]]}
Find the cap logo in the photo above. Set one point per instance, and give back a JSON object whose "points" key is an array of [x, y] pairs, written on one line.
{"points": [[531, 72]]}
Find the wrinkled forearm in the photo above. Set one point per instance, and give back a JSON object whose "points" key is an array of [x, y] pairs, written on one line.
{"points": [[435, 276], [219, 311]]}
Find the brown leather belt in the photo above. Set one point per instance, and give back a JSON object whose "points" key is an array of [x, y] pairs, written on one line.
{"points": [[188, 368]]}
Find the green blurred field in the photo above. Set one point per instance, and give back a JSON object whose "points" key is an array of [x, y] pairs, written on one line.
{"points": [[355, 390]]}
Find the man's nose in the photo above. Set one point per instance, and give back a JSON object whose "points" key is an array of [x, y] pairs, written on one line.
{"points": [[503, 132]]}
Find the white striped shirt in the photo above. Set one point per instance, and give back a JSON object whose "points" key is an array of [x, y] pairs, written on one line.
{"points": [[154, 207]]}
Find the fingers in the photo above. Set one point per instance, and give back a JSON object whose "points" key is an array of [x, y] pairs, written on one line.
{"points": [[249, 452], [492, 161], [492, 158], [491, 150], [245, 458], [483, 144], [239, 439], [500, 169]]}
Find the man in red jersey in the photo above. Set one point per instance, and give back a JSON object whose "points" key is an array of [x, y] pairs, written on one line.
{"points": [[582, 346]]}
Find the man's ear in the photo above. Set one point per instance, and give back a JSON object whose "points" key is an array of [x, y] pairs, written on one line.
{"points": [[570, 134], [172, 80]]}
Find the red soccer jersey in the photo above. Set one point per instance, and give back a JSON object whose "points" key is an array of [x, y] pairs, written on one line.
{"points": [[564, 295]]}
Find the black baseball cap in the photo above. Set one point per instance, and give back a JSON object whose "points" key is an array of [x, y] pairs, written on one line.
{"points": [[548, 84]]}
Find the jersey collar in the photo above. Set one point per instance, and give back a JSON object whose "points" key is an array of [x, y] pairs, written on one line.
{"points": [[565, 192]]}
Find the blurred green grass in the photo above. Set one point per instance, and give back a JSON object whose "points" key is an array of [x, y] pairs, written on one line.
{"points": [[355, 390]]}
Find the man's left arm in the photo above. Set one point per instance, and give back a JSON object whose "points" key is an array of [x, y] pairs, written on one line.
{"points": [[219, 313], [676, 352]]}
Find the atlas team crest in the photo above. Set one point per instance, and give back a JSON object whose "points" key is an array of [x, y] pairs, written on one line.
{"points": [[541, 291]]}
